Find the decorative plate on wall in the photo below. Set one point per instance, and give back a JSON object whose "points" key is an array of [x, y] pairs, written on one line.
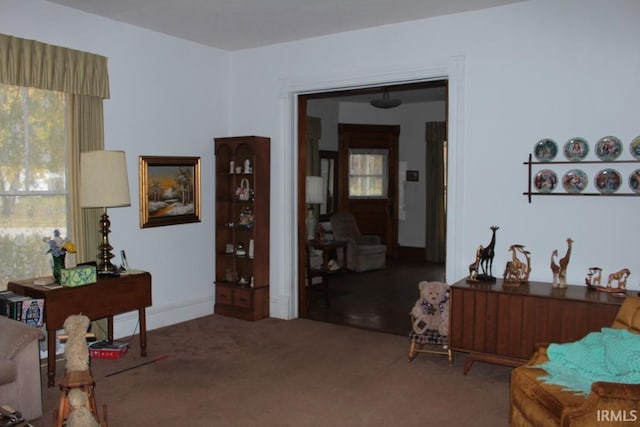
{"points": [[576, 149], [545, 150], [545, 181], [634, 147], [608, 181], [575, 181], [608, 148], [634, 181]]}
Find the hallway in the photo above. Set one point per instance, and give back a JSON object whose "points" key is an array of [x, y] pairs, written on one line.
{"points": [[376, 300]]}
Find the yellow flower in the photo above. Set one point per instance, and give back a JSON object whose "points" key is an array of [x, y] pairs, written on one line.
{"points": [[69, 246]]}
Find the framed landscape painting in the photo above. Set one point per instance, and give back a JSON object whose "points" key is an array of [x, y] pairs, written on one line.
{"points": [[169, 190]]}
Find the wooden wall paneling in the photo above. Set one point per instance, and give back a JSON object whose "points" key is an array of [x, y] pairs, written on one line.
{"points": [[491, 344], [503, 324], [469, 324], [480, 324]]}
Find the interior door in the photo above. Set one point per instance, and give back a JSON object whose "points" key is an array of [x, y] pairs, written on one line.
{"points": [[376, 214]]}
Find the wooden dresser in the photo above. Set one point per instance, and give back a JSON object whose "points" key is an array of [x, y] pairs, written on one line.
{"points": [[502, 325]]}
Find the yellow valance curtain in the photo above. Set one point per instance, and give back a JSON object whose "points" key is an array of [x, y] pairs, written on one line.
{"points": [[35, 64]]}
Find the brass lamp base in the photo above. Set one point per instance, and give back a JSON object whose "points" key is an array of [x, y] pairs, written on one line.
{"points": [[104, 265]]}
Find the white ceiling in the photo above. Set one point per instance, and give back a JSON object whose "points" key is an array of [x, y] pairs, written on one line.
{"points": [[241, 24]]}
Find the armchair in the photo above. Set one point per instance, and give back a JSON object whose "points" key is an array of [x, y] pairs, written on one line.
{"points": [[364, 252], [20, 367], [536, 403]]}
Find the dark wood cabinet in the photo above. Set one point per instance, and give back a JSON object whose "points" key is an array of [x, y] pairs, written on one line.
{"points": [[502, 325], [242, 227]]}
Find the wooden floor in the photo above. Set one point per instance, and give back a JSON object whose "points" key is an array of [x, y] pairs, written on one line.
{"points": [[376, 300]]}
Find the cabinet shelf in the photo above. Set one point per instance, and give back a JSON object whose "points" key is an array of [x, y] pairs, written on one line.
{"points": [[242, 282], [531, 164]]}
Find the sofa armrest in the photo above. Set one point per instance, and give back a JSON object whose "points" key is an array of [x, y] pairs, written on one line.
{"points": [[605, 400], [540, 354], [15, 336]]}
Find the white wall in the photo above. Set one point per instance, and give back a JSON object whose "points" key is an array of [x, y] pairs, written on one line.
{"points": [[168, 97], [541, 68]]}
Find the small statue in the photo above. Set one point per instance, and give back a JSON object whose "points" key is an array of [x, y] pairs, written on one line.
{"points": [[594, 277], [473, 267], [563, 263], [555, 269], [620, 277], [247, 166], [516, 271], [486, 257]]}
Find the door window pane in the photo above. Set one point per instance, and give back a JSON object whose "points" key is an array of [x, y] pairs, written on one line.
{"points": [[368, 173]]}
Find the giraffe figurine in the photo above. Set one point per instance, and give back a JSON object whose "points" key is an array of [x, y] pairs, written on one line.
{"points": [[487, 254], [555, 269], [516, 271], [473, 267], [527, 272], [563, 263]]}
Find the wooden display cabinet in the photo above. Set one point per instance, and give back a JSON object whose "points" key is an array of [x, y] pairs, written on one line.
{"points": [[242, 227]]}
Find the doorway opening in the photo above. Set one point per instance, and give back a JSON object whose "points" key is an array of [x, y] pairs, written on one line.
{"points": [[319, 117]]}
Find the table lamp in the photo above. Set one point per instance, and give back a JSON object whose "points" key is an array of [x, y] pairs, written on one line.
{"points": [[315, 196], [104, 184]]}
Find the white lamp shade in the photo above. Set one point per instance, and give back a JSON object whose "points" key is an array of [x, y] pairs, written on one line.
{"points": [[104, 182], [314, 190]]}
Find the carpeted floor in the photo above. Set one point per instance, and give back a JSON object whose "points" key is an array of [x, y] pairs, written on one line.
{"points": [[226, 372]]}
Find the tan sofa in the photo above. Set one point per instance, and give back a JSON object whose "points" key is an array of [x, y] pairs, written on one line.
{"points": [[20, 380], [539, 404]]}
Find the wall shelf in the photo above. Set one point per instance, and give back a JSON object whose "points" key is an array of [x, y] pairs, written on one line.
{"points": [[531, 164]]}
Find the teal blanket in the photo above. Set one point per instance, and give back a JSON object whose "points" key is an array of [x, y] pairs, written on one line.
{"points": [[611, 355]]}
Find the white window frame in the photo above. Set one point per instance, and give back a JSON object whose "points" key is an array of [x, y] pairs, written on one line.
{"points": [[384, 175]]}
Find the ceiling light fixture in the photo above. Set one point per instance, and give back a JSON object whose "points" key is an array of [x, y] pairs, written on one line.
{"points": [[385, 102]]}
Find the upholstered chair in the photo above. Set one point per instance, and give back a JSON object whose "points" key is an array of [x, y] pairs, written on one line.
{"points": [[364, 252], [20, 382], [537, 403]]}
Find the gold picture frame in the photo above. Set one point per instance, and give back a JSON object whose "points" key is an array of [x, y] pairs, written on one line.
{"points": [[169, 190]]}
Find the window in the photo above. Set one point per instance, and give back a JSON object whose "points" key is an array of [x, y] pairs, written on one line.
{"points": [[33, 184], [368, 173]]}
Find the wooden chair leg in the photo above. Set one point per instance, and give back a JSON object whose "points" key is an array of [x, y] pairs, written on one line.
{"points": [[105, 420], [412, 351]]}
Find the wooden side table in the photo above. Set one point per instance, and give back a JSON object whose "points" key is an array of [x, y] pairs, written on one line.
{"points": [[323, 271], [105, 298], [327, 247]]}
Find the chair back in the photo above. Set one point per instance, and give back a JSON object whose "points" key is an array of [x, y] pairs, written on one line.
{"points": [[344, 226], [628, 316]]}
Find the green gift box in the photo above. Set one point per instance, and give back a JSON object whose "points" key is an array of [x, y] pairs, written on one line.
{"points": [[78, 276]]}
